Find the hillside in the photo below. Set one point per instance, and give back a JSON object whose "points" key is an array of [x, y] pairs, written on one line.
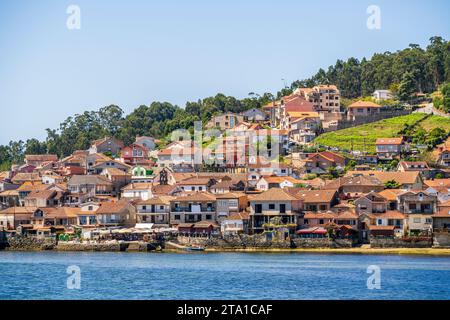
{"points": [[363, 137]]}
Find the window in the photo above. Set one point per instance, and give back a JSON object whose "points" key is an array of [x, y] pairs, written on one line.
{"points": [[323, 207], [177, 217], [379, 222], [271, 206], [208, 217], [161, 207], [416, 220], [321, 221], [144, 207]]}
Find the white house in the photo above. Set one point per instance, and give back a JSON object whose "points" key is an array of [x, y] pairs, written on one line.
{"points": [[382, 95]]}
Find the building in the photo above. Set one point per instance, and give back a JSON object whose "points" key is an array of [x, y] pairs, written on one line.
{"points": [[325, 98], [119, 213], [389, 148], [444, 156], [354, 187], [362, 109], [155, 210], [382, 95], [419, 206], [38, 160], [254, 115], [192, 208], [135, 154], [230, 203], [148, 143], [225, 121], [318, 200], [320, 162], [406, 180], [84, 187], [236, 223], [270, 204], [106, 145]]}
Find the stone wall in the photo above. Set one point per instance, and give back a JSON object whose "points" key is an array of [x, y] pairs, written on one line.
{"points": [[441, 239], [65, 246], [385, 242], [28, 243], [259, 241]]}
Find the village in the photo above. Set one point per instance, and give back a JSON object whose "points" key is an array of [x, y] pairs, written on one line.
{"points": [[256, 179]]}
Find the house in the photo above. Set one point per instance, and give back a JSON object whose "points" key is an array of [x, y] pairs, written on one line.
{"points": [[256, 170], [51, 178], [192, 208], [254, 115], [406, 180], [198, 228], [362, 109], [44, 198], [118, 178], [138, 190], [99, 166], [325, 98], [316, 219], [354, 187], [226, 186], [177, 157], [106, 145], [9, 198], [37, 160], [196, 184], [83, 187], [135, 154], [318, 200], [46, 217], [12, 218], [371, 202], [320, 162], [443, 158], [382, 95], [391, 196], [419, 206], [87, 215], [225, 121], [389, 148], [441, 219], [394, 219], [155, 210], [21, 178], [148, 143], [303, 127], [236, 223], [421, 166], [272, 203], [230, 203], [120, 213], [267, 182]]}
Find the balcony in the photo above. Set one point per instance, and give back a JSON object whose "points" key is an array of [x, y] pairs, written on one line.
{"points": [[193, 209]]}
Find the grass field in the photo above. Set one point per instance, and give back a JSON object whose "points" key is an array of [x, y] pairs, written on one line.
{"points": [[436, 122], [363, 137]]}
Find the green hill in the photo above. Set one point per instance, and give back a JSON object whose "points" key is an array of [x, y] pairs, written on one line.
{"points": [[363, 137]]}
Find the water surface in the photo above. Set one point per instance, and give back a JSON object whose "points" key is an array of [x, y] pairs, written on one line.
{"points": [[108, 275]]}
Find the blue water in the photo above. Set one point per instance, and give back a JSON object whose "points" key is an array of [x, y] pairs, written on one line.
{"points": [[42, 275]]}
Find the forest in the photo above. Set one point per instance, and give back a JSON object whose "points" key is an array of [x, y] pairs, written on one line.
{"points": [[404, 72]]}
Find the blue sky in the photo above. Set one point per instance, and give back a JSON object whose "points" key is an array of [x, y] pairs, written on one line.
{"points": [[134, 52]]}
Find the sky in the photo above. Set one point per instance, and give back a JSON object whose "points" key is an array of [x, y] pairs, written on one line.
{"points": [[134, 52]]}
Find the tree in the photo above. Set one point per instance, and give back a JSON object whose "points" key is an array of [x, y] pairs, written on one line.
{"points": [[407, 87], [392, 184]]}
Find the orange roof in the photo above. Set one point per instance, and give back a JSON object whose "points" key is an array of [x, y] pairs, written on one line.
{"points": [[388, 141], [364, 104]]}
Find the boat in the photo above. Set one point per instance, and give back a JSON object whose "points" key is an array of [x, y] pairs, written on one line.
{"points": [[194, 249]]}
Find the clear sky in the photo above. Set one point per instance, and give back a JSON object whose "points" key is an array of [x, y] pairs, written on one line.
{"points": [[134, 52]]}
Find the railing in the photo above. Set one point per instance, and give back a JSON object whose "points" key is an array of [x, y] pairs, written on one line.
{"points": [[187, 209]]}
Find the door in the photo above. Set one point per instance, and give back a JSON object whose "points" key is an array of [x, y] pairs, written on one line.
{"points": [[258, 208], [282, 208]]}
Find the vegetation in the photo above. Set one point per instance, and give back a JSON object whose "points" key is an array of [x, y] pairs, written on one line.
{"points": [[363, 137], [392, 184], [404, 72], [441, 99]]}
